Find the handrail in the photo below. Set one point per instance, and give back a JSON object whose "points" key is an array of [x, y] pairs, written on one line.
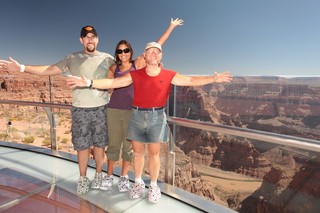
{"points": [[297, 142], [39, 104], [48, 109]]}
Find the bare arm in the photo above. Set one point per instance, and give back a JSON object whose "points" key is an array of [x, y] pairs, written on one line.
{"points": [[111, 75], [183, 80], [111, 71], [74, 81], [14, 66], [140, 62], [173, 23]]}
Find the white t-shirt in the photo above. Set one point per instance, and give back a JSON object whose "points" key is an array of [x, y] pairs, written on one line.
{"points": [[92, 66]]}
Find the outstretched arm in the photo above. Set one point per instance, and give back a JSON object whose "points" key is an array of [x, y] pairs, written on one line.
{"points": [[183, 80], [14, 66], [140, 62], [105, 83]]}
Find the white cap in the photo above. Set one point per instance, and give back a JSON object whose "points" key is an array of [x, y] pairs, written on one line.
{"points": [[153, 44]]}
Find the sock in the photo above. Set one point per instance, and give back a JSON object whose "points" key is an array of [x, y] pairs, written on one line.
{"points": [[153, 183], [126, 176], [138, 180]]}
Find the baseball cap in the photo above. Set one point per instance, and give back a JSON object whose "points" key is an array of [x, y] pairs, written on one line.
{"points": [[88, 29], [153, 44]]}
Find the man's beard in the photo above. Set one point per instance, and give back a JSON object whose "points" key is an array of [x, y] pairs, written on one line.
{"points": [[91, 50]]}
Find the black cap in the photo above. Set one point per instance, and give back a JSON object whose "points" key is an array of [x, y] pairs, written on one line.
{"points": [[87, 29]]}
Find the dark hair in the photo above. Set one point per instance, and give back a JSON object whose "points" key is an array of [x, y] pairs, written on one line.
{"points": [[118, 61]]}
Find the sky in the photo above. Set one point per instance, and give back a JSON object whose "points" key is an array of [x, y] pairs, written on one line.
{"points": [[245, 37]]}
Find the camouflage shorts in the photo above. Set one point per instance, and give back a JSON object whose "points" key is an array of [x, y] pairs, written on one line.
{"points": [[89, 127]]}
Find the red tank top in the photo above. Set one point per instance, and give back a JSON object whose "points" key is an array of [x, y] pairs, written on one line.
{"points": [[151, 91]]}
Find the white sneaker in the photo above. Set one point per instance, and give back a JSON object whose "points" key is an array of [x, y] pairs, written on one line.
{"points": [[106, 182], [96, 183], [123, 184], [154, 194], [83, 184], [136, 190]]}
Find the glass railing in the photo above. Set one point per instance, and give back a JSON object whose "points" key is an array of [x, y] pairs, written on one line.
{"points": [[251, 145], [40, 124]]}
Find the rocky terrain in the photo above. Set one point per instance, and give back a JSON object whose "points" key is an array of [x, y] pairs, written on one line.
{"points": [[279, 105], [280, 179], [26, 87]]}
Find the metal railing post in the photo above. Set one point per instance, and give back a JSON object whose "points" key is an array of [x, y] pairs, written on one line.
{"points": [[53, 129], [170, 154]]}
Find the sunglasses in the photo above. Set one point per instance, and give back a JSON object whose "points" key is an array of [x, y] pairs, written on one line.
{"points": [[119, 51]]}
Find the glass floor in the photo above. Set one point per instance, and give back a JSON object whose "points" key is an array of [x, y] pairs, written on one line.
{"points": [[34, 179]]}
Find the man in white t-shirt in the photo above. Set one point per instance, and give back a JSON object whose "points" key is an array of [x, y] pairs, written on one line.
{"points": [[89, 127]]}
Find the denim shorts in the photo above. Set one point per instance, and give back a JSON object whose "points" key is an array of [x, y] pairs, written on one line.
{"points": [[148, 126], [89, 127]]}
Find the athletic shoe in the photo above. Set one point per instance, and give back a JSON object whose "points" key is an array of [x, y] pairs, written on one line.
{"points": [[154, 194], [123, 184], [96, 183], [83, 184], [106, 182], [136, 190]]}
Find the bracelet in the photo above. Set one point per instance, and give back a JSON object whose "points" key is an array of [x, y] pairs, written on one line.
{"points": [[22, 67], [89, 83]]}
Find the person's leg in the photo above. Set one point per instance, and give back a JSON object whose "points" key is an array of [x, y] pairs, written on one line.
{"points": [[125, 167], [127, 152], [115, 135], [80, 128], [83, 159], [99, 135], [110, 167], [157, 132], [138, 164], [98, 138], [138, 158], [136, 133], [154, 193], [154, 160], [98, 157]]}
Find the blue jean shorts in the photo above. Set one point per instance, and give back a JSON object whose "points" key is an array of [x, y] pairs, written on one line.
{"points": [[89, 127], [148, 126]]}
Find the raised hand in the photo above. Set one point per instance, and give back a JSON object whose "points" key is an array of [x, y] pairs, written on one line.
{"points": [[176, 22]]}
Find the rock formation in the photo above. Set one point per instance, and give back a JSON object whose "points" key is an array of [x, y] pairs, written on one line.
{"points": [[27, 87]]}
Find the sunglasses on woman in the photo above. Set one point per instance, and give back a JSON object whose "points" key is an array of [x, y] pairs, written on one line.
{"points": [[119, 51]]}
